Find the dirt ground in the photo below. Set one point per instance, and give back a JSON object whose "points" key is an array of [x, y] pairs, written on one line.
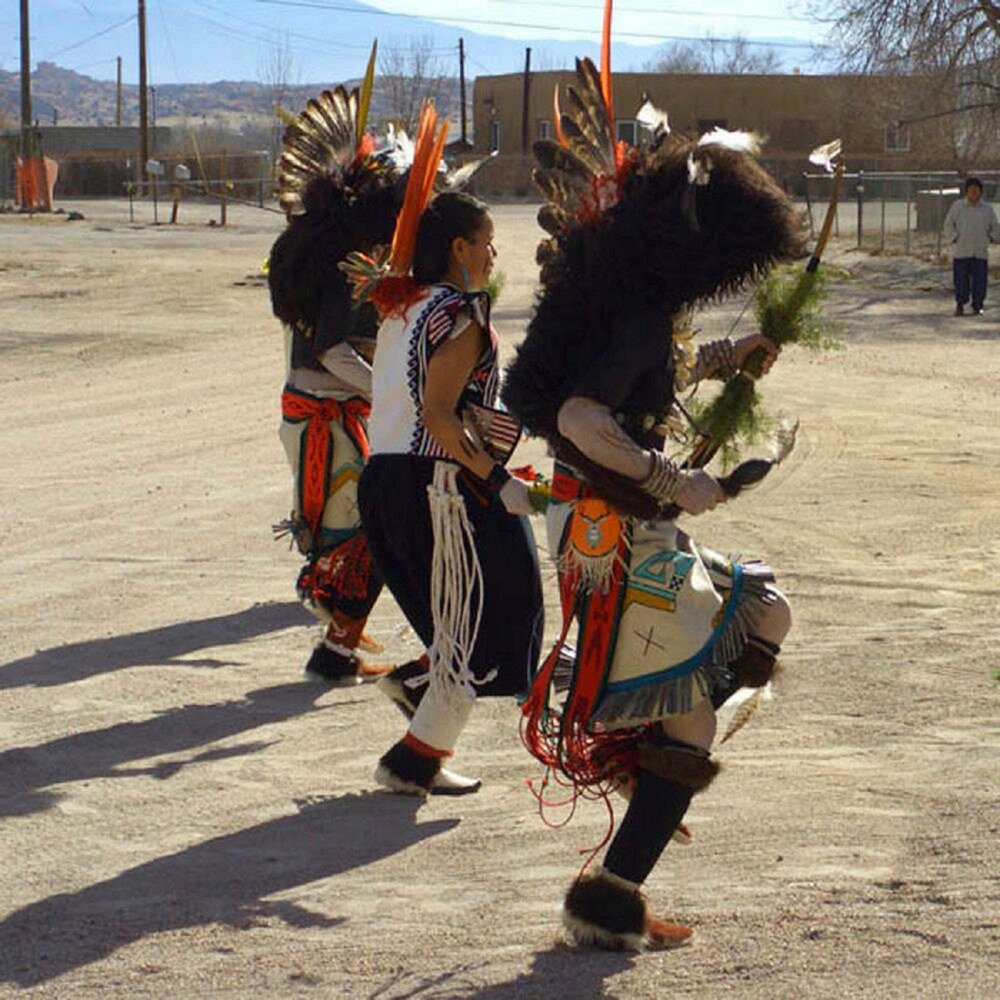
{"points": [[183, 816]]}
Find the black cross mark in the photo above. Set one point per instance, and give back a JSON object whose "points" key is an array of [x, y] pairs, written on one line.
{"points": [[648, 639]]}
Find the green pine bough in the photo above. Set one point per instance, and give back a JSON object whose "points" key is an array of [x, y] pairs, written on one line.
{"points": [[788, 306]]}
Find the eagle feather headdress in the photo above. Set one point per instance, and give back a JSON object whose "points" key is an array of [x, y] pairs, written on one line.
{"points": [[341, 192]]}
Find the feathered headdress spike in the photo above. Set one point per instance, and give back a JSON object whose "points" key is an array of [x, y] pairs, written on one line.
{"points": [[365, 96]]}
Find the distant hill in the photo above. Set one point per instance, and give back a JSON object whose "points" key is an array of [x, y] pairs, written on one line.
{"points": [[65, 97]]}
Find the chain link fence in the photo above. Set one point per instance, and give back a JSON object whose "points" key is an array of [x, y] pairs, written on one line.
{"points": [[893, 212]]}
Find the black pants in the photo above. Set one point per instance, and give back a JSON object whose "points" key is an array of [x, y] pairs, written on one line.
{"points": [[392, 496], [970, 274]]}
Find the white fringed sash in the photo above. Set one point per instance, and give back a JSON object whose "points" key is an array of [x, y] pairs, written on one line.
{"points": [[456, 587]]}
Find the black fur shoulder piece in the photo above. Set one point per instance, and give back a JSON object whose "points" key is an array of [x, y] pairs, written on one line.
{"points": [[694, 222]]}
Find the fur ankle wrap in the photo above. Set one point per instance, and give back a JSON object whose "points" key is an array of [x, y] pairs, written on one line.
{"points": [[601, 910], [689, 767]]}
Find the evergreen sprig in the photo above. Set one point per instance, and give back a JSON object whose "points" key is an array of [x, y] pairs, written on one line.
{"points": [[788, 305]]}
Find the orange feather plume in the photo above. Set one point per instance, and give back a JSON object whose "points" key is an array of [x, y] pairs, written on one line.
{"points": [[427, 151], [606, 66]]}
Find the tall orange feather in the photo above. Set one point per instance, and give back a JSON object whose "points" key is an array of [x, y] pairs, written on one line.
{"points": [[427, 151], [606, 67]]}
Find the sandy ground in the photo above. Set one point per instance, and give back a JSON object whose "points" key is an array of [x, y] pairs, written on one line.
{"points": [[184, 817]]}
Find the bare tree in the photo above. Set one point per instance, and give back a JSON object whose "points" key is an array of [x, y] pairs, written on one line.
{"points": [[955, 44], [408, 73], [715, 55], [274, 68]]}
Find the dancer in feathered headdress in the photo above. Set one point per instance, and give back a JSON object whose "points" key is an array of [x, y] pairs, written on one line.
{"points": [[442, 515], [339, 195], [667, 629]]}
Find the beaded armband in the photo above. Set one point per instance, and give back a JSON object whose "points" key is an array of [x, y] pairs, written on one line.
{"points": [[664, 480]]}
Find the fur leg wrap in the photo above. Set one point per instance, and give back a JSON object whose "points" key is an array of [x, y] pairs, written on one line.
{"points": [[756, 665], [404, 769], [753, 668], [604, 911], [684, 765]]}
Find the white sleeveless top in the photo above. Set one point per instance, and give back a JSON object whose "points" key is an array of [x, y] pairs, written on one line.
{"points": [[403, 351]]}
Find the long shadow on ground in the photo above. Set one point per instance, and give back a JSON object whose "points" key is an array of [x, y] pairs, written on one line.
{"points": [[555, 973], [223, 881], [80, 660], [26, 771]]}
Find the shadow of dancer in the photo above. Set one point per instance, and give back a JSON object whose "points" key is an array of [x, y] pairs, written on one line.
{"points": [[80, 660], [559, 972], [224, 880], [25, 771], [580, 973]]}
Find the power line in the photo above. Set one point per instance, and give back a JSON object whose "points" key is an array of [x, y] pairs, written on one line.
{"points": [[489, 22], [270, 29], [654, 10], [90, 38]]}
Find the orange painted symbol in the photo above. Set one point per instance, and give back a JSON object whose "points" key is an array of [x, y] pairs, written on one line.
{"points": [[595, 528]]}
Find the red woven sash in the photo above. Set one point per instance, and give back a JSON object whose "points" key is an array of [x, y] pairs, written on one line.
{"points": [[316, 459]]}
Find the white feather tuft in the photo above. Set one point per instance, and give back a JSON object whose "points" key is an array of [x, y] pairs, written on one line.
{"points": [[743, 142], [653, 118], [823, 156]]}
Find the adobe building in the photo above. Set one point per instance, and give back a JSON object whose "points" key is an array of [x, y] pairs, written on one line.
{"points": [[794, 113]]}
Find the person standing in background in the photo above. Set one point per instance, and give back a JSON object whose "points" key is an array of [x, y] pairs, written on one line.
{"points": [[971, 225]]}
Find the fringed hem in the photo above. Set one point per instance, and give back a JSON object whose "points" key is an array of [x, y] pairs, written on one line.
{"points": [[588, 573], [655, 699]]}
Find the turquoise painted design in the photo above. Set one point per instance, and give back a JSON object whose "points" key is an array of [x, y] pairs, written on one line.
{"points": [[662, 574]]}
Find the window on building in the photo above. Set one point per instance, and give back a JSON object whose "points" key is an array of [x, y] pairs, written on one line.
{"points": [[544, 129], [897, 138], [626, 129], [494, 137]]}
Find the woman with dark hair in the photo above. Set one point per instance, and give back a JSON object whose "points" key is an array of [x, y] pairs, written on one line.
{"points": [[444, 519]]}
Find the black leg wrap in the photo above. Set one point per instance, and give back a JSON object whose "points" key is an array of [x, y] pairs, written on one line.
{"points": [[658, 804], [753, 668]]}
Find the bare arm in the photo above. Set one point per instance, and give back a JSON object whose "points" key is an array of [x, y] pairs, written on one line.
{"points": [[345, 362], [592, 428], [447, 375]]}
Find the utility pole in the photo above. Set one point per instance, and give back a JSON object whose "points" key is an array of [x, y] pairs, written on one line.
{"points": [[143, 110], [118, 105], [461, 87], [525, 102], [25, 85]]}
